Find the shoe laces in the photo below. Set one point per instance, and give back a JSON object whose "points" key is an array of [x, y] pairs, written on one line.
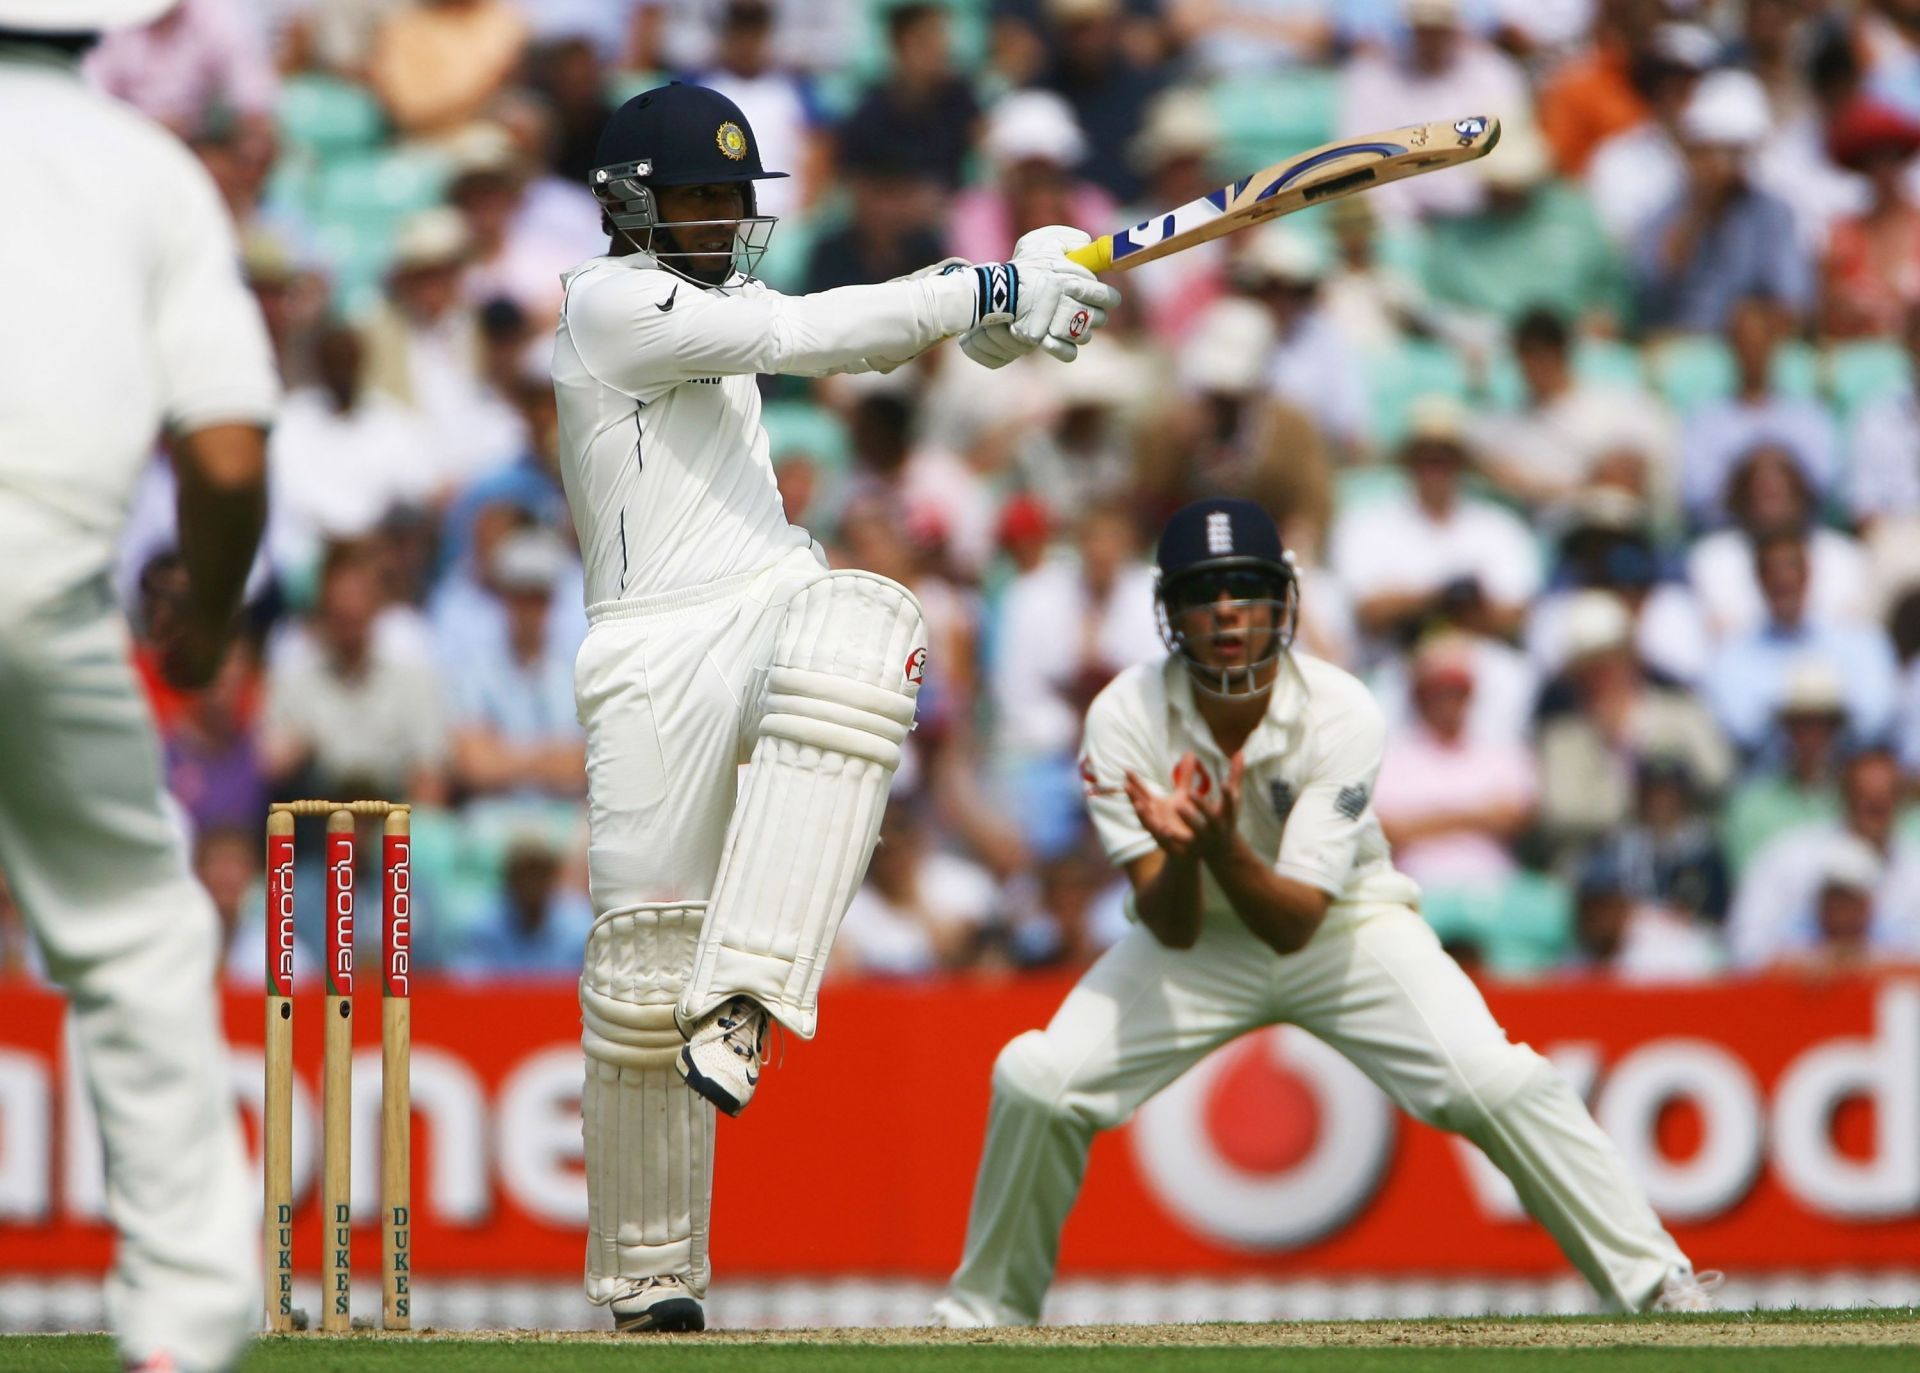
{"points": [[743, 1029]]}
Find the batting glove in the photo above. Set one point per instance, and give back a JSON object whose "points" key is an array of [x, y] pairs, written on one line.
{"points": [[1041, 299]]}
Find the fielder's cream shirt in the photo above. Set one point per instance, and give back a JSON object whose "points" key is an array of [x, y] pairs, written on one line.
{"points": [[1306, 795], [121, 305]]}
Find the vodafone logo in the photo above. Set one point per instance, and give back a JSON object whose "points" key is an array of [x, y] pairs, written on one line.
{"points": [[1270, 1143]]}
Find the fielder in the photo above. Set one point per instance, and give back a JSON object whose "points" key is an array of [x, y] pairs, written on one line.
{"points": [[1233, 782], [122, 309], [718, 637]]}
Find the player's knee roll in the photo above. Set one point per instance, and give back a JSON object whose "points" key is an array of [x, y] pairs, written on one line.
{"points": [[1027, 1076], [636, 962], [1483, 1085]]}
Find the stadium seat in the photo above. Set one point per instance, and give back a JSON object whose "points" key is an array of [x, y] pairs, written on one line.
{"points": [[798, 425], [1863, 371], [328, 117], [1265, 117], [1395, 380], [1523, 925], [1691, 372]]}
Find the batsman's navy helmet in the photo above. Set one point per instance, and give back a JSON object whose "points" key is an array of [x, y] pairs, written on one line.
{"points": [[1224, 549], [679, 135]]}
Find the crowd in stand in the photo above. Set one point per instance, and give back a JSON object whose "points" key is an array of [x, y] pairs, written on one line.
{"points": [[1601, 457]]}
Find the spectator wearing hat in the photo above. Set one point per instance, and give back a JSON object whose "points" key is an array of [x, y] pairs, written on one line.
{"points": [[1768, 491], [525, 227], [1669, 850], [1439, 67], [1436, 550], [921, 114], [1606, 543], [1311, 367], [1107, 85], [750, 69], [340, 459], [1615, 716], [1034, 148], [536, 926], [1721, 238], [515, 731], [1750, 671], [1618, 935], [1083, 456], [1226, 433], [1778, 906], [1374, 299], [1569, 434], [1535, 242], [436, 64], [1796, 780], [1174, 154], [1722, 434], [1870, 279], [1633, 173], [425, 348], [1452, 804]]}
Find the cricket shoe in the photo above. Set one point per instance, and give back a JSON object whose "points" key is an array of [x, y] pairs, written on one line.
{"points": [[660, 1304], [722, 1057], [1684, 1290]]}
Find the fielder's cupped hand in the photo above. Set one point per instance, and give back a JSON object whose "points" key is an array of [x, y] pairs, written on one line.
{"points": [[1059, 303]]}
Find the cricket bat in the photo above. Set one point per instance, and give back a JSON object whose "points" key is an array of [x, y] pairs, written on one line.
{"points": [[1310, 178]]}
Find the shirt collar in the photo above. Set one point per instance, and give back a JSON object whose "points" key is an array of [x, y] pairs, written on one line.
{"points": [[1278, 730]]}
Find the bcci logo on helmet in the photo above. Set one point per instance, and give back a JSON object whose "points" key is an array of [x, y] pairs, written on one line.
{"points": [[732, 142]]}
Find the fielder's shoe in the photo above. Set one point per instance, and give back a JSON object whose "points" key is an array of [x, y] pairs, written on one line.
{"points": [[721, 1060], [1684, 1290], [660, 1304]]}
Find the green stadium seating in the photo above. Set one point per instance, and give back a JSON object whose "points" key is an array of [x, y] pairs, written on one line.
{"points": [[1522, 926], [1417, 368], [1265, 117], [799, 425], [1863, 371], [328, 117]]}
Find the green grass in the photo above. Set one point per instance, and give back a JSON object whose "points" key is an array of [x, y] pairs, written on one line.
{"points": [[1732, 1342]]}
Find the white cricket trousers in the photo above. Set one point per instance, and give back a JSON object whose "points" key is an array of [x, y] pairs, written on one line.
{"points": [[1374, 984], [667, 688], [99, 869]]}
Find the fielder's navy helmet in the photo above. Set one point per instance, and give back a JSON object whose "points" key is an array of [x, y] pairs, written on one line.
{"points": [[1217, 550]]}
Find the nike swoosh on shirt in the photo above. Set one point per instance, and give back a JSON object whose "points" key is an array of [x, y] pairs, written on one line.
{"points": [[667, 305]]}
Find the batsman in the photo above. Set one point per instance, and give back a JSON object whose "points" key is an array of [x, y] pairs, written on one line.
{"points": [[718, 637], [1233, 783]]}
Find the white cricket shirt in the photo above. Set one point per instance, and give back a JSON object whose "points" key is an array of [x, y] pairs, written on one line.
{"points": [[1306, 796], [121, 303], [662, 453]]}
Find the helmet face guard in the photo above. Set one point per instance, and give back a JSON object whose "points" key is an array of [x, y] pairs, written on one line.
{"points": [[1215, 603], [628, 205]]}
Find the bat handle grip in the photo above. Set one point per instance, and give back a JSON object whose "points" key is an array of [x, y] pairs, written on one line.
{"points": [[1097, 255]]}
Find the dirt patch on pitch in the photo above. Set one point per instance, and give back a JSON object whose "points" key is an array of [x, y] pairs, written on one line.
{"points": [[1771, 1330]]}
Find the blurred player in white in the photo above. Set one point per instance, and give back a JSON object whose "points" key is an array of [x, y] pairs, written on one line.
{"points": [[1233, 782], [122, 310], [719, 636]]}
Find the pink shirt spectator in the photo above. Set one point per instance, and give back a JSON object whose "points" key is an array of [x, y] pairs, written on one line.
{"points": [[982, 227], [200, 56], [1423, 778]]}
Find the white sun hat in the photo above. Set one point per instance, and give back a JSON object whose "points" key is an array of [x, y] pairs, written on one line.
{"points": [[79, 16]]}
